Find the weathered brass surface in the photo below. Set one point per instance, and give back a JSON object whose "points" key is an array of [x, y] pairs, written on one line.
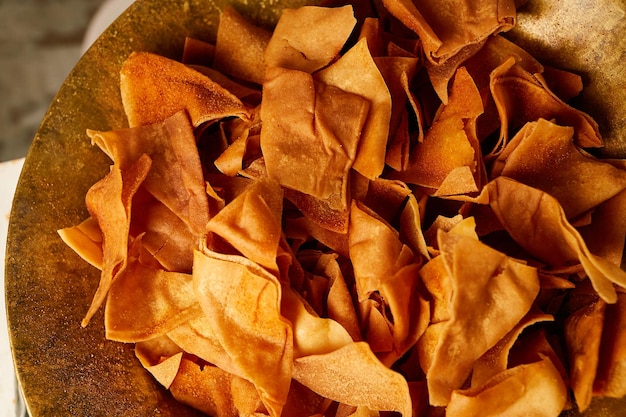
{"points": [[65, 370]]}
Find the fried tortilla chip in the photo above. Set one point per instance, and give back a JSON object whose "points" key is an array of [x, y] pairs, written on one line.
{"points": [[543, 155], [251, 223], [353, 375], [605, 235], [310, 134], [410, 311], [163, 234], [612, 362], [449, 143], [198, 337], [240, 47], [309, 38], [109, 203], [145, 303], [375, 250], [496, 359], [154, 88], [447, 27], [521, 97], [176, 177], [206, 388], [583, 333], [312, 335], [231, 291], [368, 83], [535, 389], [161, 357], [86, 240], [491, 293], [556, 242]]}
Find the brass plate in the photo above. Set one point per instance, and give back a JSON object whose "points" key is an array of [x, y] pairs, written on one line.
{"points": [[65, 370]]}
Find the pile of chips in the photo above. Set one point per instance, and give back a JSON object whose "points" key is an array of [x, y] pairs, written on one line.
{"points": [[373, 209]]}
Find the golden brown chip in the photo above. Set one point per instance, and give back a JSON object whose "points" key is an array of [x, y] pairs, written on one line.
{"points": [[309, 38], [206, 388], [231, 291], [521, 97], [109, 203], [310, 134], [86, 240], [354, 376], [176, 177], [535, 389], [312, 335], [612, 361], [375, 250], [447, 27], [161, 357], [163, 234], [543, 155], [251, 223], [496, 359], [240, 47], [154, 88], [490, 295], [556, 242], [368, 83], [410, 312], [583, 333], [145, 303], [605, 234], [449, 143]]}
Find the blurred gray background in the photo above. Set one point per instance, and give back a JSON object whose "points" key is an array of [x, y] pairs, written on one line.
{"points": [[40, 42]]}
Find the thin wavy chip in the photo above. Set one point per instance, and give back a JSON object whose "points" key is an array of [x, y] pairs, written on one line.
{"points": [[490, 294], [353, 375], [86, 240], [215, 384], [450, 143], [605, 235], [145, 303], [310, 134], [543, 155], [375, 250], [163, 234], [309, 38], [176, 177], [552, 239], [410, 311], [198, 337], [583, 333], [534, 389], [521, 97], [154, 88], [447, 27], [161, 357], [240, 47], [232, 291], [368, 83], [109, 203], [496, 359], [312, 335], [251, 223], [611, 371]]}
